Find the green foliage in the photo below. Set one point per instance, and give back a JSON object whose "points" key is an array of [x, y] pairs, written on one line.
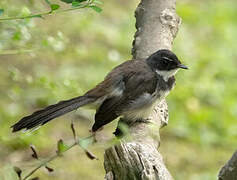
{"points": [[54, 7], [61, 147], [77, 4], [207, 104], [85, 142]]}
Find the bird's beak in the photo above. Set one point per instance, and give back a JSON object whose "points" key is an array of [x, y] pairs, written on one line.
{"points": [[182, 66]]}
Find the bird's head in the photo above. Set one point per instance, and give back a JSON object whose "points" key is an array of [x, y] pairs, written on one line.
{"points": [[165, 63]]}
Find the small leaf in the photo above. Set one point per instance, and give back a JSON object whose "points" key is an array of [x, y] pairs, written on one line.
{"points": [[48, 2], [85, 142], [49, 169], [96, 8], [25, 11], [18, 171], [61, 147], [34, 155], [90, 155], [1, 11], [54, 7], [73, 131]]}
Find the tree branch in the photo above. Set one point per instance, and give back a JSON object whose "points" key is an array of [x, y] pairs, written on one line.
{"points": [[229, 170], [88, 4], [138, 157]]}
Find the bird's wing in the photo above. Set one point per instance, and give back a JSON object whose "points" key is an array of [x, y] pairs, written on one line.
{"points": [[138, 79]]}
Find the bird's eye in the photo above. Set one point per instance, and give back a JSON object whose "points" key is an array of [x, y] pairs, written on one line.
{"points": [[164, 64]]}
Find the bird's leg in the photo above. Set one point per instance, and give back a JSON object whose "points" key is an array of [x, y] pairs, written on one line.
{"points": [[119, 131], [123, 126]]}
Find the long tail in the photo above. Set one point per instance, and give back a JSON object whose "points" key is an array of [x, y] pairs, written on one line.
{"points": [[43, 116]]}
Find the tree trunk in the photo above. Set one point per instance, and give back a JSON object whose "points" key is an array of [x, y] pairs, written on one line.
{"points": [[229, 170], [138, 157]]}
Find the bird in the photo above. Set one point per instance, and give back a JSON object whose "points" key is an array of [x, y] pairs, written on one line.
{"points": [[131, 91]]}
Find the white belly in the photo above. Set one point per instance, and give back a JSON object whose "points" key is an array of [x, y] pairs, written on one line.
{"points": [[144, 106]]}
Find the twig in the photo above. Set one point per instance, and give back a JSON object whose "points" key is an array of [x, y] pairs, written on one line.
{"points": [[12, 52], [45, 162], [41, 165], [40, 15]]}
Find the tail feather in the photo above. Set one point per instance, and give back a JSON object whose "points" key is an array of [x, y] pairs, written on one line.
{"points": [[45, 115]]}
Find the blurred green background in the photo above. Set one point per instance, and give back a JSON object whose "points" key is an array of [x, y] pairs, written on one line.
{"points": [[46, 60]]}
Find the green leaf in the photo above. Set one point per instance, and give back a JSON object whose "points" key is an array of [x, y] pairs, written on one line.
{"points": [[1, 11], [96, 8], [84, 143], [54, 7], [25, 11], [61, 147], [47, 1]]}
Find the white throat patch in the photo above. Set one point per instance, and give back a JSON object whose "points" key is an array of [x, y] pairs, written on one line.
{"points": [[167, 74]]}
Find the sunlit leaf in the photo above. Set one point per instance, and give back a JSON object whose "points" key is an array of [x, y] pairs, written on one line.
{"points": [[61, 147], [54, 7], [25, 11], [84, 143]]}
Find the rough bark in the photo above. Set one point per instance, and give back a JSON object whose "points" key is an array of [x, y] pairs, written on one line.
{"points": [[138, 158], [229, 170]]}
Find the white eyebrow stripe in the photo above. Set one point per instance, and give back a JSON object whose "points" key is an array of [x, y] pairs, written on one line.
{"points": [[166, 58]]}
